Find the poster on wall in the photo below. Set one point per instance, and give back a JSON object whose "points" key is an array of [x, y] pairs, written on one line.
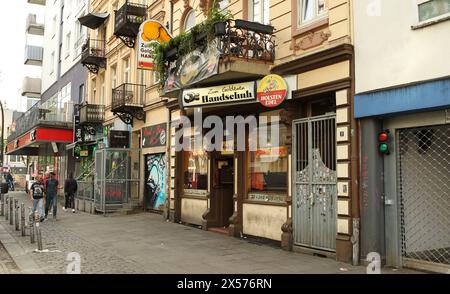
{"points": [[155, 181], [154, 136], [151, 33]]}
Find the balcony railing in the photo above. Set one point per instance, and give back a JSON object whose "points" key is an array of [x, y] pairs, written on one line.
{"points": [[93, 55], [33, 55], [33, 27], [128, 20], [92, 113], [38, 2], [31, 87], [128, 102], [50, 112], [248, 40]]}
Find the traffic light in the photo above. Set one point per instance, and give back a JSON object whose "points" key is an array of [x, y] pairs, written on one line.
{"points": [[383, 142]]}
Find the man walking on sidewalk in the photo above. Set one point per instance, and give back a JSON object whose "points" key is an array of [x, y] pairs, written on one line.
{"points": [[51, 189], [37, 195], [70, 188]]}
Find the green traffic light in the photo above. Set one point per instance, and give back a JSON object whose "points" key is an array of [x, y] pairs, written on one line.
{"points": [[384, 148]]}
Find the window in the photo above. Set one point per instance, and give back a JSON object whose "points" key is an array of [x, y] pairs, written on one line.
{"points": [[268, 167], [156, 78], [189, 22], [52, 62], [433, 9], [223, 4], [312, 10], [102, 90], [54, 26], [259, 11], [114, 77], [68, 44], [126, 70], [94, 91], [196, 171], [81, 94]]}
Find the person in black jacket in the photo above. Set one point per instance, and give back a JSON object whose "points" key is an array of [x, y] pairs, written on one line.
{"points": [[70, 188]]}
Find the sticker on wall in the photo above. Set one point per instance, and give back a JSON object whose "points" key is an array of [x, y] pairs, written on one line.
{"points": [[272, 91], [155, 182]]}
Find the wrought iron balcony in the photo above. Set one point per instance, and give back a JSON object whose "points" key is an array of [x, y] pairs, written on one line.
{"points": [[38, 2], [33, 55], [92, 114], [241, 50], [49, 113], [34, 28], [128, 102], [128, 19], [93, 55], [31, 87]]}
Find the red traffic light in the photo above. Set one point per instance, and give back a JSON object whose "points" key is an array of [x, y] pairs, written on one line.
{"points": [[383, 136]]}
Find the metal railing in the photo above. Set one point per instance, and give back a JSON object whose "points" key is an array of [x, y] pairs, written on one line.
{"points": [[93, 48], [248, 40], [128, 95], [128, 19], [51, 111], [92, 113]]}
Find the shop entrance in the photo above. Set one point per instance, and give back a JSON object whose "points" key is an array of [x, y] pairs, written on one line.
{"points": [[222, 190]]}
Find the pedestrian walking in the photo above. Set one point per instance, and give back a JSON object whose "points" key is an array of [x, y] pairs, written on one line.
{"points": [[37, 191], [70, 188], [51, 192]]}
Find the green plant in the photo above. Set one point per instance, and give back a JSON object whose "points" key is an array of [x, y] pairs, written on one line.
{"points": [[185, 42]]}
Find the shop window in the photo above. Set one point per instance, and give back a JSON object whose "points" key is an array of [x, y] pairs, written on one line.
{"points": [[268, 169], [196, 172]]}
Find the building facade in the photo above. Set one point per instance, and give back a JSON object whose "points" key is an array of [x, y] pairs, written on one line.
{"points": [[403, 90], [302, 193]]}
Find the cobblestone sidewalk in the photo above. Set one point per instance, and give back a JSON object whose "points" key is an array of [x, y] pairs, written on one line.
{"points": [[145, 244]]}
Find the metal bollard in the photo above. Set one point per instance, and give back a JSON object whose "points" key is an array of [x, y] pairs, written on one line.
{"points": [[22, 219], [16, 214], [2, 204], [31, 225], [38, 232], [11, 211], [6, 207]]}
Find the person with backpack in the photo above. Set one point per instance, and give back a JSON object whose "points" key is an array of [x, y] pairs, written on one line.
{"points": [[37, 191], [51, 192], [70, 188]]}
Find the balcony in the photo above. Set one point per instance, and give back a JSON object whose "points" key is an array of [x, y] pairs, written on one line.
{"points": [[92, 114], [31, 87], [50, 113], [93, 55], [128, 19], [128, 102], [37, 2], [34, 28], [33, 55], [240, 51]]}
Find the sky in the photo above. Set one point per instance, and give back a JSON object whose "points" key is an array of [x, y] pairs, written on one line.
{"points": [[12, 49]]}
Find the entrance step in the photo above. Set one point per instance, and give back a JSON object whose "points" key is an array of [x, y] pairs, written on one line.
{"points": [[223, 231]]}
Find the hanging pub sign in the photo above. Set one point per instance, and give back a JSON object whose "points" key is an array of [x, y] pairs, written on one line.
{"points": [[218, 95], [154, 136], [194, 67], [272, 91], [119, 139], [151, 33]]}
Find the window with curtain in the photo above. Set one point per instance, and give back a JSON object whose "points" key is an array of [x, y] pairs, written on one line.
{"points": [[259, 11], [433, 8], [196, 169], [268, 166], [189, 22], [311, 10]]}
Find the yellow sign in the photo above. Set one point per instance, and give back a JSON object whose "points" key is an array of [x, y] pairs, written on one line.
{"points": [[272, 91], [84, 153], [150, 32]]}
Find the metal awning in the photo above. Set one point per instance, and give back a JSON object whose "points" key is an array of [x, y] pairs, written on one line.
{"points": [[93, 20]]}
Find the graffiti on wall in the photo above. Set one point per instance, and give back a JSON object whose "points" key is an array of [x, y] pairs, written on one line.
{"points": [[155, 183]]}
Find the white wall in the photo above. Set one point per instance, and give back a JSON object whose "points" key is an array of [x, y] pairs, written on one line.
{"points": [[51, 43], [389, 53]]}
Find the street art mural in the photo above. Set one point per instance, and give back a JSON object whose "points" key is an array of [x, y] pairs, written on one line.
{"points": [[155, 182]]}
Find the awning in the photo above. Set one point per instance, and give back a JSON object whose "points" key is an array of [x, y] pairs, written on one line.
{"points": [[93, 20]]}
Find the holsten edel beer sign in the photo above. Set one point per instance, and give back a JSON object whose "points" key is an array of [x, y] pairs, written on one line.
{"points": [[219, 95], [272, 91]]}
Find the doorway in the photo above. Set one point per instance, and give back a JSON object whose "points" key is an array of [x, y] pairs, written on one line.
{"points": [[222, 190]]}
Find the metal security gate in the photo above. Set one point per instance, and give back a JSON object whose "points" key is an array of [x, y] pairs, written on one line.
{"points": [[423, 181], [314, 207]]}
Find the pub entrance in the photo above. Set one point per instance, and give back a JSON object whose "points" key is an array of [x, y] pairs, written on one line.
{"points": [[222, 191]]}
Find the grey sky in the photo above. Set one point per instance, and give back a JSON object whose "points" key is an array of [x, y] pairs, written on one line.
{"points": [[12, 27]]}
